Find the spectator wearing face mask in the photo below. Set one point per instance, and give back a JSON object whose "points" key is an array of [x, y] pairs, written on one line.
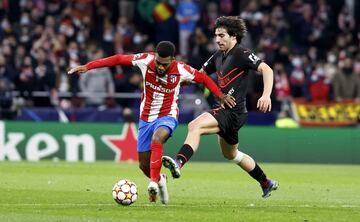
{"points": [[24, 81], [44, 78], [346, 83], [6, 72], [319, 88], [297, 76]]}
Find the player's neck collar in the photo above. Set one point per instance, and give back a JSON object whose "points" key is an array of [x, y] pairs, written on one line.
{"points": [[228, 51]]}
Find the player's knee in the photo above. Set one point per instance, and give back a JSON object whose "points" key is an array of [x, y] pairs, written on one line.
{"points": [[193, 127], [157, 139]]}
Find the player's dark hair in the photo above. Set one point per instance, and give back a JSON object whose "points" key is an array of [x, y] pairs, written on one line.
{"points": [[165, 49], [234, 25]]}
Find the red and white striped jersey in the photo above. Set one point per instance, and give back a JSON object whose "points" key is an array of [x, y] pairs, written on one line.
{"points": [[160, 94]]}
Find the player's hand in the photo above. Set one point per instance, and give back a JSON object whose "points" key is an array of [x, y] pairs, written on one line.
{"points": [[227, 100], [78, 70], [264, 104]]}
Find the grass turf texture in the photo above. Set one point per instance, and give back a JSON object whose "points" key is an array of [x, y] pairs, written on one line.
{"points": [[60, 191]]}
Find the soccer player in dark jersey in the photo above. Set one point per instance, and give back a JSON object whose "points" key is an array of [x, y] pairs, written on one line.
{"points": [[162, 77], [231, 63]]}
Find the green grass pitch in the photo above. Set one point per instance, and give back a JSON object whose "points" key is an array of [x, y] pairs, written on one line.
{"points": [[60, 191]]}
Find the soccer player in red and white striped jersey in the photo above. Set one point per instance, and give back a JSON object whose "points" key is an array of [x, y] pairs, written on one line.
{"points": [[162, 77]]}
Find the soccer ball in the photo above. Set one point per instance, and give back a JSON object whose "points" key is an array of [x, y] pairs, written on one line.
{"points": [[125, 192]]}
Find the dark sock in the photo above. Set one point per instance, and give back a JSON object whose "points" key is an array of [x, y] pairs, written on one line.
{"points": [[258, 174], [184, 154]]}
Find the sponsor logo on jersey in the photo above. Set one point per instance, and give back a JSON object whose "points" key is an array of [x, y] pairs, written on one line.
{"points": [[159, 88]]}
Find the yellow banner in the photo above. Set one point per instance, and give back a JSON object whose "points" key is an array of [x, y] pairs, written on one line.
{"points": [[327, 114]]}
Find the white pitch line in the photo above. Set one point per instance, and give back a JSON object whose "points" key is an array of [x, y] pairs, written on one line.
{"points": [[178, 206]]}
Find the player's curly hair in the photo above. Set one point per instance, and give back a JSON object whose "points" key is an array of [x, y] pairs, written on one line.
{"points": [[165, 49], [234, 25]]}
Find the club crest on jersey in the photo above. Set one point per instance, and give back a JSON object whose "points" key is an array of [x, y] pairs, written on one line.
{"points": [[172, 78]]}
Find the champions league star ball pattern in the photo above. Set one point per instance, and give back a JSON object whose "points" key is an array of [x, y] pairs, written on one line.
{"points": [[125, 192]]}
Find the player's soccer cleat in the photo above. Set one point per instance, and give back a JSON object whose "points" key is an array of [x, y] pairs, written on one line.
{"points": [[172, 165], [163, 192], [271, 185], [153, 190]]}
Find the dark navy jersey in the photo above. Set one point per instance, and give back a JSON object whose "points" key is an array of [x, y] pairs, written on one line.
{"points": [[232, 72]]}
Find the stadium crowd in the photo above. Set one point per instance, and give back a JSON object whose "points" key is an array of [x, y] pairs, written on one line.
{"points": [[312, 46]]}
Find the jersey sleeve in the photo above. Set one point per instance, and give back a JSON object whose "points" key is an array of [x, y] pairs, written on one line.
{"points": [[249, 59], [142, 60], [209, 66], [111, 61], [201, 77], [187, 73]]}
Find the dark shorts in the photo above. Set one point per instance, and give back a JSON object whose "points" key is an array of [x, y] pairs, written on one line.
{"points": [[230, 122]]}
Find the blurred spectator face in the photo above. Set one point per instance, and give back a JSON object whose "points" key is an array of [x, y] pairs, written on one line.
{"points": [[38, 31], [318, 73], [41, 55], [137, 39], [135, 79], [123, 21], [27, 62], [5, 25], [331, 58], [62, 39], [6, 50], [277, 13], [252, 6], [128, 115], [341, 41], [348, 66], [67, 27], [279, 68], [357, 65], [2, 65], [98, 54], [312, 53], [86, 20], [26, 70], [35, 14], [80, 37], [73, 48], [25, 19], [108, 32], [296, 61], [307, 12], [50, 21]]}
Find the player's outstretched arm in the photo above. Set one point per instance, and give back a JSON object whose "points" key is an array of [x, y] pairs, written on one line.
{"points": [[264, 103], [104, 62]]}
